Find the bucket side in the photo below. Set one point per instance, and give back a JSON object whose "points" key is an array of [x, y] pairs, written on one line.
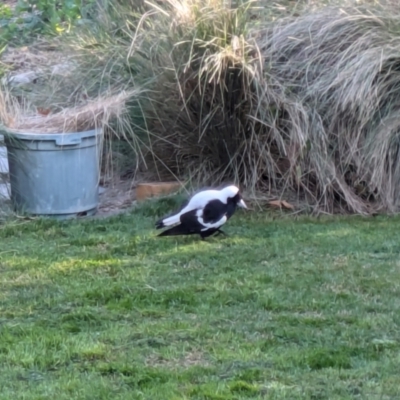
{"points": [[48, 179]]}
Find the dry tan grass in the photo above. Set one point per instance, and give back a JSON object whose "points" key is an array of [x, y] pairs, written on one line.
{"points": [[7, 106], [307, 103], [35, 58], [96, 113]]}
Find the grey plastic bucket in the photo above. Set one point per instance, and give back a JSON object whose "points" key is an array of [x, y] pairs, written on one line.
{"points": [[55, 174]]}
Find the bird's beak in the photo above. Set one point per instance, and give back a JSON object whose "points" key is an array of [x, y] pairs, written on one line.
{"points": [[242, 204]]}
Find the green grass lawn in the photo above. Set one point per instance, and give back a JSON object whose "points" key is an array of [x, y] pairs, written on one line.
{"points": [[281, 309]]}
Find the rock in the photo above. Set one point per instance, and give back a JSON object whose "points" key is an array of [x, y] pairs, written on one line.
{"points": [[23, 78]]}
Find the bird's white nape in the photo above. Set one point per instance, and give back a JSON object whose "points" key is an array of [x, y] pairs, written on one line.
{"points": [[229, 192]]}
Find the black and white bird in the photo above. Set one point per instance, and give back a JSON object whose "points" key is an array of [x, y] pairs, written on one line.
{"points": [[204, 214]]}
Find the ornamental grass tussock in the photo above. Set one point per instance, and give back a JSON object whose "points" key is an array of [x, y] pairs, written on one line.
{"points": [[307, 102]]}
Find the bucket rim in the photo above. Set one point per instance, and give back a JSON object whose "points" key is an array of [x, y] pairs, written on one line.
{"points": [[31, 136]]}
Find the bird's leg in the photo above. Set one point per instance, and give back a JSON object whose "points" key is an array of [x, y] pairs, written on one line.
{"points": [[219, 231]]}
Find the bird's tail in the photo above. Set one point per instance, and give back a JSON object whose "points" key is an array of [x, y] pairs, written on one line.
{"points": [[162, 223], [176, 230]]}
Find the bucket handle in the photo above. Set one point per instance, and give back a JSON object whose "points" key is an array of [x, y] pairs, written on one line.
{"points": [[68, 141]]}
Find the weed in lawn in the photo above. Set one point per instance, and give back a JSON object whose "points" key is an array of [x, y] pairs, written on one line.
{"points": [[280, 309]]}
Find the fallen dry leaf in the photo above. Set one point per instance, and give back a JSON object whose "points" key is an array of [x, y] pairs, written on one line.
{"points": [[43, 111], [281, 203]]}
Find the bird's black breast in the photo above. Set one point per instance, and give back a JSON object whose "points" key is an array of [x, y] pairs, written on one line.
{"points": [[230, 208], [214, 211]]}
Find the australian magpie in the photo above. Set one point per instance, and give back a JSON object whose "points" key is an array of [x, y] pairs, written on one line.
{"points": [[204, 214]]}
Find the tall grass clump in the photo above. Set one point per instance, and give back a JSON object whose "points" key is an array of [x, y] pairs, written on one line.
{"points": [[336, 74], [305, 103], [201, 70]]}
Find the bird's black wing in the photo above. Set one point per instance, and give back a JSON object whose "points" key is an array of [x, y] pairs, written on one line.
{"points": [[214, 211], [191, 222], [189, 225], [177, 230]]}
